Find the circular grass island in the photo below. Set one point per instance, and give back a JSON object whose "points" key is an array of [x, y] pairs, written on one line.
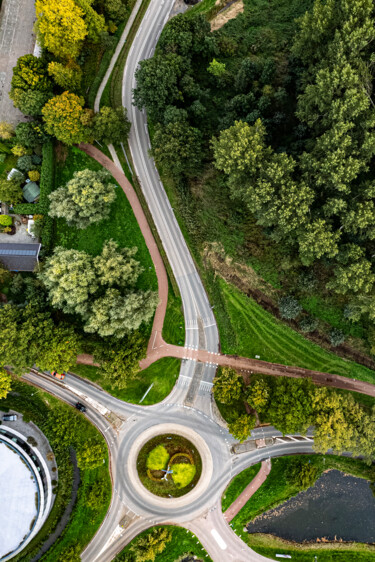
{"points": [[169, 465]]}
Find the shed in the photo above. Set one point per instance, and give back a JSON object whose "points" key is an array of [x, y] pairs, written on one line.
{"points": [[31, 191], [19, 257]]}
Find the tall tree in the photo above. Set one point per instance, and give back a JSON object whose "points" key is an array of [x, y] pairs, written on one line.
{"points": [[117, 315], [61, 27], [66, 119], [67, 76], [291, 405], [241, 427], [5, 383], [111, 125], [85, 199], [227, 386], [70, 279], [30, 73], [147, 547]]}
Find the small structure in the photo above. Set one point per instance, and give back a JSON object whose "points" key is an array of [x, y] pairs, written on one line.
{"points": [[12, 173], [31, 191], [19, 257]]}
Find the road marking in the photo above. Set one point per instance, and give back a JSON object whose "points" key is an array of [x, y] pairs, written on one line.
{"points": [[222, 544]]}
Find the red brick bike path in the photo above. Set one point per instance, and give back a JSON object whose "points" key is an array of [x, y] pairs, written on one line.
{"points": [[249, 491], [158, 348], [161, 273]]}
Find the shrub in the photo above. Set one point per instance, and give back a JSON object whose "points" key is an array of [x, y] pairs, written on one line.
{"points": [[25, 163], [157, 458], [336, 337], [308, 324], [289, 307], [34, 175], [6, 220], [19, 150], [183, 474]]}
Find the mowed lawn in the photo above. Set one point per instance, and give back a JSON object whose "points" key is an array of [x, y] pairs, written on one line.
{"points": [[162, 375], [121, 225], [255, 331]]}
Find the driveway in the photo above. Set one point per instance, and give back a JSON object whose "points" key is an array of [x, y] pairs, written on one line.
{"points": [[16, 39]]}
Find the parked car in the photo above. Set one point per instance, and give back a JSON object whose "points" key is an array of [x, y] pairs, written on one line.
{"points": [[80, 407], [10, 417]]}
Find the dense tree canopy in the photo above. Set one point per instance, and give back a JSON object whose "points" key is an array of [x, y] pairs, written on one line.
{"points": [[111, 125], [108, 304], [85, 199], [5, 383], [61, 27], [30, 336], [66, 119], [227, 386]]}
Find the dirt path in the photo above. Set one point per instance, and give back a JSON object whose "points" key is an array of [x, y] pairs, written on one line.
{"points": [[161, 274], [249, 491]]}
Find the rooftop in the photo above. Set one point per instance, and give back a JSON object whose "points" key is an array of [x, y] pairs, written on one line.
{"points": [[19, 257]]}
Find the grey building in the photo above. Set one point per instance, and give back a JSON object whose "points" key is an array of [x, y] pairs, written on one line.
{"points": [[19, 257]]}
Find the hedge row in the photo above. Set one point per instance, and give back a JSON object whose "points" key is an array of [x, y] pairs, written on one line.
{"points": [[42, 206]]}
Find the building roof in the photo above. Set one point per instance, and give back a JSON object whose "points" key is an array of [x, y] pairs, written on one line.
{"points": [[31, 191], [19, 257]]}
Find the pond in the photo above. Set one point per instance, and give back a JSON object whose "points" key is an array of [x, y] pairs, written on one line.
{"points": [[337, 507]]}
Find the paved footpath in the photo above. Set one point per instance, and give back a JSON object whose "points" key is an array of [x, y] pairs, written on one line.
{"points": [[16, 39], [249, 491]]}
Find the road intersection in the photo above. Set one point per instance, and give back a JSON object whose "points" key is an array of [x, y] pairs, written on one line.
{"points": [[190, 403]]}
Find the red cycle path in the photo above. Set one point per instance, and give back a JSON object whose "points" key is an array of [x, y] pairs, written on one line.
{"points": [[158, 348], [249, 491]]}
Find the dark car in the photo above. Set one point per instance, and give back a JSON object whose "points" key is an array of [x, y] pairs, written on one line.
{"points": [[10, 417], [80, 407]]}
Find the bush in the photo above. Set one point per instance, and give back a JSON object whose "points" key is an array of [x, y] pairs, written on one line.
{"points": [[25, 163], [289, 307], [157, 458], [34, 175], [336, 337], [6, 220], [308, 324], [183, 474]]}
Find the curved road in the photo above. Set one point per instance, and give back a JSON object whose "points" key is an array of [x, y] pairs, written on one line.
{"points": [[189, 404], [200, 324], [121, 423]]}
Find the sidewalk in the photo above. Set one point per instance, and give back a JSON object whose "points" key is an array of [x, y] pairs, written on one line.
{"points": [[249, 491], [16, 39]]}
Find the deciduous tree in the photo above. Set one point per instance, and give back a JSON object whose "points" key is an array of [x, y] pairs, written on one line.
{"points": [[10, 191], [66, 76], [61, 27], [85, 199], [147, 547], [111, 125], [241, 427], [5, 383], [227, 386], [66, 119], [30, 102]]}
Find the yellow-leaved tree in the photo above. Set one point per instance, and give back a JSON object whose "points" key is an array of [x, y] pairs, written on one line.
{"points": [[61, 27], [66, 119]]}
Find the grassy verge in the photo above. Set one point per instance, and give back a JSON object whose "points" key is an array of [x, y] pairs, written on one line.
{"points": [[104, 63], [162, 375], [174, 325], [238, 484], [279, 488], [247, 329], [183, 542], [37, 406], [121, 225], [112, 94]]}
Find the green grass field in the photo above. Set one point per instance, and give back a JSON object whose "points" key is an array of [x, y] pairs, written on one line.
{"points": [[162, 375], [277, 489], [183, 542], [247, 329], [174, 324], [121, 225], [237, 485]]}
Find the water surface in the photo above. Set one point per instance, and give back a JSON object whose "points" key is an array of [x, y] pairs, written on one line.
{"points": [[338, 506]]}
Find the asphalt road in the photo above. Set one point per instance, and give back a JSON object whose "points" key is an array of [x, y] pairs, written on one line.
{"points": [[201, 329], [190, 403], [121, 423]]}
